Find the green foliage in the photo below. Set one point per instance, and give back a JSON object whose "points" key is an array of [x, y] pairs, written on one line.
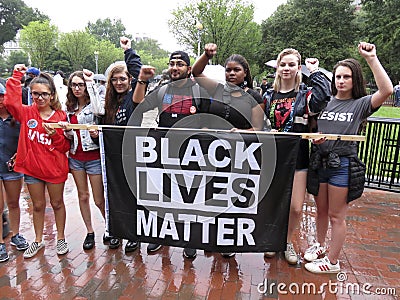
{"points": [[37, 39], [152, 47], [227, 23], [14, 15], [4, 70], [77, 46], [151, 54], [381, 24], [108, 54], [316, 28], [17, 57], [107, 29]]}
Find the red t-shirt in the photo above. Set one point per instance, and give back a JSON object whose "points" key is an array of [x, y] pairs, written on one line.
{"points": [[79, 153]]}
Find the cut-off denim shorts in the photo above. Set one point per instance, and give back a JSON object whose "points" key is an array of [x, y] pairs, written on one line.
{"points": [[92, 167], [9, 176], [32, 180], [336, 176]]}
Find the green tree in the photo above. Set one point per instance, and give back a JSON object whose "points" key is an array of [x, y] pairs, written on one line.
{"points": [[228, 23], [37, 39], [107, 29], [381, 26], [151, 54], [316, 28], [108, 54], [77, 47], [17, 57], [13, 15], [152, 47], [4, 70]]}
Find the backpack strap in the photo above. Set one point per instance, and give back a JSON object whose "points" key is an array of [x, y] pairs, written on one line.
{"points": [[161, 92], [196, 95]]}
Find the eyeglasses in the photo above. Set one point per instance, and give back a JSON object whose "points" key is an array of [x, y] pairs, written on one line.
{"points": [[80, 85], [44, 95], [120, 79], [179, 64]]}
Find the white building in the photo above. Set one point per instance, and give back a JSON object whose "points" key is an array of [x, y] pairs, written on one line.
{"points": [[11, 46]]}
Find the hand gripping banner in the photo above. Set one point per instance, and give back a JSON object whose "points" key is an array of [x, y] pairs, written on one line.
{"points": [[214, 190]]}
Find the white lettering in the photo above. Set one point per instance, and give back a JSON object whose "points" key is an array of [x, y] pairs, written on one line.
{"points": [[198, 157], [168, 227], [206, 221], [241, 155], [186, 227], [151, 224], [245, 228], [212, 157], [222, 231], [165, 159], [141, 149]]}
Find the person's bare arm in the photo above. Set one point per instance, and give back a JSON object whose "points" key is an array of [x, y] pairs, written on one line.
{"points": [[383, 82]]}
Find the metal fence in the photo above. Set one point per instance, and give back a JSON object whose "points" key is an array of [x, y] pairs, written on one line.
{"points": [[381, 154]]}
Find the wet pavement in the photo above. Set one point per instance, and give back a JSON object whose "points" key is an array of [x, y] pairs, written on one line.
{"points": [[370, 260]]}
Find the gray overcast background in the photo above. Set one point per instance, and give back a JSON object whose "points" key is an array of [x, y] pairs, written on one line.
{"points": [[142, 17]]}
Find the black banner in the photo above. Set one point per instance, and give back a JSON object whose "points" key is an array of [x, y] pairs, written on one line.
{"points": [[211, 190]]}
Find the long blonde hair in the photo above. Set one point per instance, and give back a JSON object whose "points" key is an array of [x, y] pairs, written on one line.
{"points": [[278, 80]]}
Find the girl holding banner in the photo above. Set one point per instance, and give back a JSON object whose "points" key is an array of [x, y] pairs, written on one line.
{"points": [[119, 106], [336, 173], [234, 105], [41, 153], [289, 105], [84, 155]]}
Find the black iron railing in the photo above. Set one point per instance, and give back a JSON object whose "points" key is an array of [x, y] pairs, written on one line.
{"points": [[381, 154]]}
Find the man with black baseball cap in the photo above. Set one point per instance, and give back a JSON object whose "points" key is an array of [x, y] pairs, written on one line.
{"points": [[178, 103]]}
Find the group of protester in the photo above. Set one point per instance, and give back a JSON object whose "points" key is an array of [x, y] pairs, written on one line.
{"points": [[189, 100]]}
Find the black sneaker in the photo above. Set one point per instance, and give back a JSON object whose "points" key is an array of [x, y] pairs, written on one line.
{"points": [[3, 252], [228, 254], [131, 246], [189, 253], [19, 242], [153, 247], [88, 243], [106, 238], [114, 243]]}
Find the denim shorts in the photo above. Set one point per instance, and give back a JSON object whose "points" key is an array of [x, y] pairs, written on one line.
{"points": [[32, 180], [8, 176], [336, 176], [92, 167]]}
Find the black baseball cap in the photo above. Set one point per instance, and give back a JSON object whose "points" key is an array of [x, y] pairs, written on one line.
{"points": [[180, 55]]}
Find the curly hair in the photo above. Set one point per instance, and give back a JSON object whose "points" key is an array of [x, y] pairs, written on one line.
{"points": [[72, 100], [47, 79]]}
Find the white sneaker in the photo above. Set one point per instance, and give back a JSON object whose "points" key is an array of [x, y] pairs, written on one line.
{"points": [[314, 251], [62, 247], [322, 266], [33, 249], [290, 254], [269, 254]]}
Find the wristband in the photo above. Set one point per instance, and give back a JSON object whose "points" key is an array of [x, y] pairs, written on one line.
{"points": [[141, 81], [208, 56]]}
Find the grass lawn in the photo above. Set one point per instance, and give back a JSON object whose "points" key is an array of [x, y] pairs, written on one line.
{"points": [[388, 112]]}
